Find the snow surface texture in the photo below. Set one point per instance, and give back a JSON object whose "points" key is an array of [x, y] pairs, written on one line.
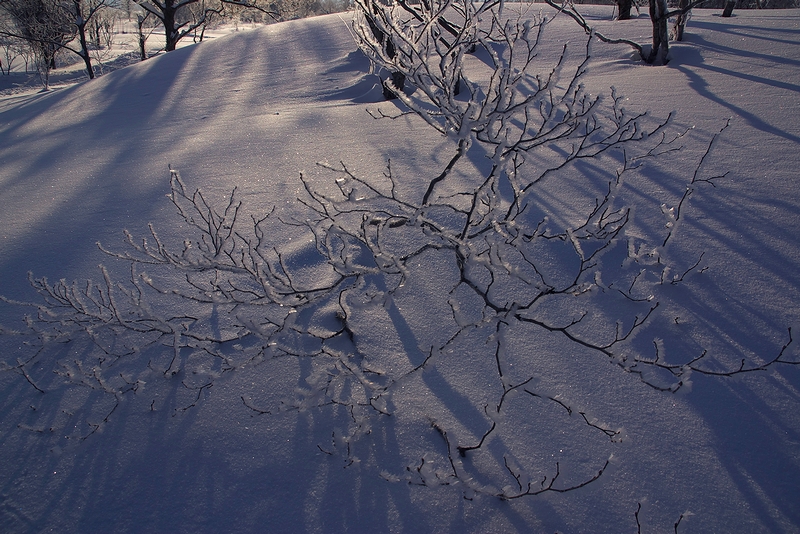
{"points": [[253, 110]]}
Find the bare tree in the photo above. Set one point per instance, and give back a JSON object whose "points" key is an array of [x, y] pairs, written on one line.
{"points": [[200, 19], [101, 26], [143, 31], [41, 24], [326, 7], [11, 48], [52, 25], [85, 13], [174, 15], [659, 17], [293, 9], [175, 27]]}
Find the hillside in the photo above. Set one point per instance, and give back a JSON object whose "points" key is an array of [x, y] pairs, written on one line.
{"points": [[253, 111]]}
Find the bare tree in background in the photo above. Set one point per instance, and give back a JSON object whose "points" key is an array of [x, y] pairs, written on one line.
{"points": [[658, 54], [11, 48], [102, 26], [177, 23], [52, 25], [41, 24], [200, 19], [175, 26], [85, 14], [143, 31]]}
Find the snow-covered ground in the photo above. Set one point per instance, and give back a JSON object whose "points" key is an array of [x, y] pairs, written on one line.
{"points": [[254, 110]]}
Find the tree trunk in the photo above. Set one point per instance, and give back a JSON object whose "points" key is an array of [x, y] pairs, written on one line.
{"points": [[43, 65], [624, 9], [729, 5], [660, 50], [680, 21], [171, 35], [142, 39], [81, 24], [87, 59]]}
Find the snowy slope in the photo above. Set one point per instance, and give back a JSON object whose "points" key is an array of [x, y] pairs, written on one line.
{"points": [[253, 110]]}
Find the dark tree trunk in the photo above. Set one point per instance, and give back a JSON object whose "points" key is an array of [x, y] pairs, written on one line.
{"points": [[660, 50], [624, 9], [81, 24], [729, 5], [169, 29], [166, 12], [680, 21], [87, 59], [142, 39]]}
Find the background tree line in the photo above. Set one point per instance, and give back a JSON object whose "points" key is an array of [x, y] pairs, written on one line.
{"points": [[38, 32]]}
